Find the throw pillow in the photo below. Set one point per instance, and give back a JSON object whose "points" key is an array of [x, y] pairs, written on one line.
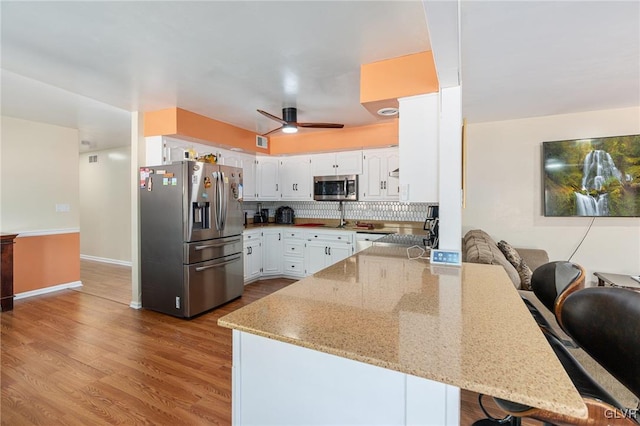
{"points": [[479, 250], [518, 262]]}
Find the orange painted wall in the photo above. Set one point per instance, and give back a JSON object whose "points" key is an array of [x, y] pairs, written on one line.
{"points": [[45, 260], [398, 77], [182, 123], [162, 122], [372, 136]]}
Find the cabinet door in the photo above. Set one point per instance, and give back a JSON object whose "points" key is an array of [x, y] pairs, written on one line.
{"points": [[252, 260], [371, 180], [338, 252], [247, 163], [323, 164], [249, 178], [295, 178], [316, 255], [272, 254], [349, 162], [392, 185], [267, 178], [255, 259], [375, 182]]}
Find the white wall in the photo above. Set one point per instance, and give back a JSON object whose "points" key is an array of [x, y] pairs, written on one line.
{"points": [[105, 205], [39, 170], [504, 195]]}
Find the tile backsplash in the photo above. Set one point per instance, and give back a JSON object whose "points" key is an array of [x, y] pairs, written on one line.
{"points": [[354, 210]]}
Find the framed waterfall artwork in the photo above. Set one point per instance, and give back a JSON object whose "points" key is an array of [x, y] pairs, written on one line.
{"points": [[592, 177]]}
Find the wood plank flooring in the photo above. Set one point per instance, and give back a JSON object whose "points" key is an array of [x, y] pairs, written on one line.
{"points": [[86, 358], [105, 280]]}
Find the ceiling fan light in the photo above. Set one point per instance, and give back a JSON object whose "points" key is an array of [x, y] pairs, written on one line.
{"points": [[289, 128]]}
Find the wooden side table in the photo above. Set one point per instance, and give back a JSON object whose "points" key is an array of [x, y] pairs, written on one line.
{"points": [[6, 271], [617, 280]]}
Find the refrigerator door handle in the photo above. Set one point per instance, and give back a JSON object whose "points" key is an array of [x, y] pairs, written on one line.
{"points": [[218, 198], [216, 212], [223, 204], [222, 244], [217, 265]]}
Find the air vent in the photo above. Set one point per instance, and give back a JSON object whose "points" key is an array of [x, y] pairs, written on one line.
{"points": [[93, 158], [262, 142]]}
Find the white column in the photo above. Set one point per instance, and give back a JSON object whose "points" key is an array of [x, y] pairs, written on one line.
{"points": [[450, 168], [137, 154]]}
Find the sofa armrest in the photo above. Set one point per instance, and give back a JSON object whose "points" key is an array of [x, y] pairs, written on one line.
{"points": [[533, 257]]}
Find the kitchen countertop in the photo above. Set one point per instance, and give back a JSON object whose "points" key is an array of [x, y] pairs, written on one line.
{"points": [[332, 224], [464, 326]]}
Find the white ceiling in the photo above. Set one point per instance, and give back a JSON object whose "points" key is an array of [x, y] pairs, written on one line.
{"points": [[87, 64]]}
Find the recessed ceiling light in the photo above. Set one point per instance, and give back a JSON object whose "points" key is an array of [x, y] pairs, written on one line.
{"points": [[388, 112]]}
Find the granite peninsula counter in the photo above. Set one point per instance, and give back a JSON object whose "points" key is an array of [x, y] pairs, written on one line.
{"points": [[384, 339]]}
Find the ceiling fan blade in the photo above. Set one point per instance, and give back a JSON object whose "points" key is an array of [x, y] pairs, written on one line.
{"points": [[272, 131], [321, 125], [273, 117]]}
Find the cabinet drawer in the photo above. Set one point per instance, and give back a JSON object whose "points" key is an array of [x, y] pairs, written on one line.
{"points": [[293, 267], [341, 237], [294, 248], [293, 235], [251, 235]]}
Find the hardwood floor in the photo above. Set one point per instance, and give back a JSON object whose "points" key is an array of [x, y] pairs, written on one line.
{"points": [[86, 358], [105, 280]]}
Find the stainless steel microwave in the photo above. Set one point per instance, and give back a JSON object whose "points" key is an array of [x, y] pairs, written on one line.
{"points": [[335, 188]]}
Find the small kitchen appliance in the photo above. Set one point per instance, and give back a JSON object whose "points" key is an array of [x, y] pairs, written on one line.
{"points": [[261, 216], [285, 215], [335, 188]]}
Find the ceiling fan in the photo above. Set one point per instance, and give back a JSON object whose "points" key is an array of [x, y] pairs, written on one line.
{"points": [[290, 123]]}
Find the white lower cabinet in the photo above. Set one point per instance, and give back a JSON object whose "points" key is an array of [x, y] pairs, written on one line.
{"points": [[272, 252], [326, 248], [293, 255], [252, 245]]}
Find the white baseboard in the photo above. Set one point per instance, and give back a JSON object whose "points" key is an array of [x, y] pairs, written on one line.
{"points": [[46, 290], [135, 305], [105, 260]]}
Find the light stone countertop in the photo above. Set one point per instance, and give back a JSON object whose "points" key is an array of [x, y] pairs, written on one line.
{"points": [[464, 326]]}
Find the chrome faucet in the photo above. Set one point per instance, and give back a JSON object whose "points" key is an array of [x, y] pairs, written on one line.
{"points": [[341, 210]]}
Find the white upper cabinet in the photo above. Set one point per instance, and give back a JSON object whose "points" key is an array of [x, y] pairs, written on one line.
{"points": [[267, 182], [378, 181], [296, 178], [418, 139], [247, 162], [340, 163]]}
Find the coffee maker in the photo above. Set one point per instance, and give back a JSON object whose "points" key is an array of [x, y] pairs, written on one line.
{"points": [[431, 226], [261, 215]]}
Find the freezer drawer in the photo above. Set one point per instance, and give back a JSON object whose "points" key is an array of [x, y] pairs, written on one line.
{"points": [[212, 283], [201, 251]]}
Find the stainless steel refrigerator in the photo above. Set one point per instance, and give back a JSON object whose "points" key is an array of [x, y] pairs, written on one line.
{"points": [[191, 223]]}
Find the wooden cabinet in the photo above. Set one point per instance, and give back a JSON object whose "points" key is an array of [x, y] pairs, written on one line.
{"points": [[252, 245], [6, 271], [326, 248], [272, 243], [340, 163], [378, 182], [419, 148], [295, 178], [267, 169]]}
